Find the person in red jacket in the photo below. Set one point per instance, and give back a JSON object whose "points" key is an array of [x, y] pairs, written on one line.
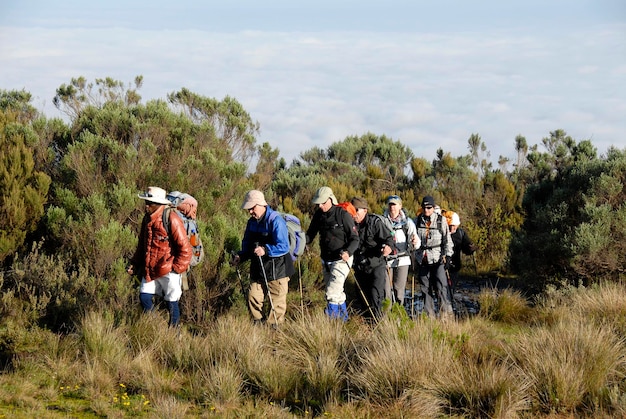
{"points": [[161, 257]]}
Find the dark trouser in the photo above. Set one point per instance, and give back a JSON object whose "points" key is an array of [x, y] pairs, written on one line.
{"points": [[373, 285], [433, 277], [454, 277]]}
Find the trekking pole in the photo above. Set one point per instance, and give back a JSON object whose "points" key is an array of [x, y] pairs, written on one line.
{"points": [[267, 286], [450, 294], [475, 267], [413, 295], [300, 283], [243, 288], [363, 296], [412, 271]]}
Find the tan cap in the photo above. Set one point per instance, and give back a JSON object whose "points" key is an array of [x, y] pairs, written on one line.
{"points": [[323, 194], [253, 198]]}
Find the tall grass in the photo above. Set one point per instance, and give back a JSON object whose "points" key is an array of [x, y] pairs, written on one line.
{"points": [[506, 306], [565, 357], [571, 366], [318, 349]]}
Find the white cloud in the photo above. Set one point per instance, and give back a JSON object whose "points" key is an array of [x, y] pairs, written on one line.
{"points": [[312, 89]]}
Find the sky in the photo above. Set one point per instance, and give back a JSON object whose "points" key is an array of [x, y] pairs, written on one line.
{"points": [[426, 73]]}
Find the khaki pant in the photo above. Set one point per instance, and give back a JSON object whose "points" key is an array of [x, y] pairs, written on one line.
{"points": [[278, 291]]}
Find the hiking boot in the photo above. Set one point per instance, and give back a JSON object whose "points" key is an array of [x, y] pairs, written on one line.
{"points": [[332, 310], [343, 312]]}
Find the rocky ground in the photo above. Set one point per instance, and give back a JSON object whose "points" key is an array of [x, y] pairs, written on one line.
{"points": [[465, 294]]}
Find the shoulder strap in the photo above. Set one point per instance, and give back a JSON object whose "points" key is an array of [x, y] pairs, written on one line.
{"points": [[272, 216], [339, 214], [444, 238], [421, 221], [405, 225], [166, 219]]}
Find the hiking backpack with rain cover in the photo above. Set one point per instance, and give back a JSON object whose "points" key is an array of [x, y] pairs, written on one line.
{"points": [[186, 207]]}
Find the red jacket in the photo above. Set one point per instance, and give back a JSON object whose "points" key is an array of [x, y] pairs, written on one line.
{"points": [[157, 254]]}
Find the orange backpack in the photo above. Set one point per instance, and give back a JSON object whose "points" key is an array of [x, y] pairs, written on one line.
{"points": [[348, 207]]}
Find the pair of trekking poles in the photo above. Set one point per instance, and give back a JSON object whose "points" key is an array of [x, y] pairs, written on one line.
{"points": [[413, 268], [390, 278], [267, 286]]}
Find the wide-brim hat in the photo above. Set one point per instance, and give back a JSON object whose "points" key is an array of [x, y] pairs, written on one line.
{"points": [[155, 195]]}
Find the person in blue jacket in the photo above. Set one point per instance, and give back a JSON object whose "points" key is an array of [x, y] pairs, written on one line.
{"points": [[266, 245]]}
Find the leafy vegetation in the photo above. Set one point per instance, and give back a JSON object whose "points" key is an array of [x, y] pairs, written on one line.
{"points": [[73, 340]]}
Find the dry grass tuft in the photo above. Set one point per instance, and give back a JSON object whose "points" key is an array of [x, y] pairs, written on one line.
{"points": [[167, 407], [482, 388], [603, 303], [506, 306], [386, 370], [316, 347], [220, 385], [103, 341], [571, 366]]}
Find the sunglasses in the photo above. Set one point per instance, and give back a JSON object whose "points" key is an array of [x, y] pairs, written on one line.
{"points": [[428, 207]]}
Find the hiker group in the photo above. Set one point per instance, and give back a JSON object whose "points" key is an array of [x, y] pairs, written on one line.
{"points": [[379, 249]]}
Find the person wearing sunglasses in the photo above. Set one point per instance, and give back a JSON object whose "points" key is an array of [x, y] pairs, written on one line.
{"points": [[338, 242], [265, 244], [406, 240], [434, 258]]}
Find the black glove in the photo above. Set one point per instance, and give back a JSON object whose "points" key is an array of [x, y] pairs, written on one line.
{"points": [[447, 263]]}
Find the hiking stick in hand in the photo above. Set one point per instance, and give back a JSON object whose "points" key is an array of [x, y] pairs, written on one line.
{"points": [[267, 286]]}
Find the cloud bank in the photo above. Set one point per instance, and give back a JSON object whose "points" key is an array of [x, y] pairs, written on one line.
{"points": [[309, 89]]}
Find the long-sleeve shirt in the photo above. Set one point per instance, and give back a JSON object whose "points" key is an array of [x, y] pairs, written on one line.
{"points": [[271, 233], [373, 235], [403, 229], [337, 233], [435, 239]]}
